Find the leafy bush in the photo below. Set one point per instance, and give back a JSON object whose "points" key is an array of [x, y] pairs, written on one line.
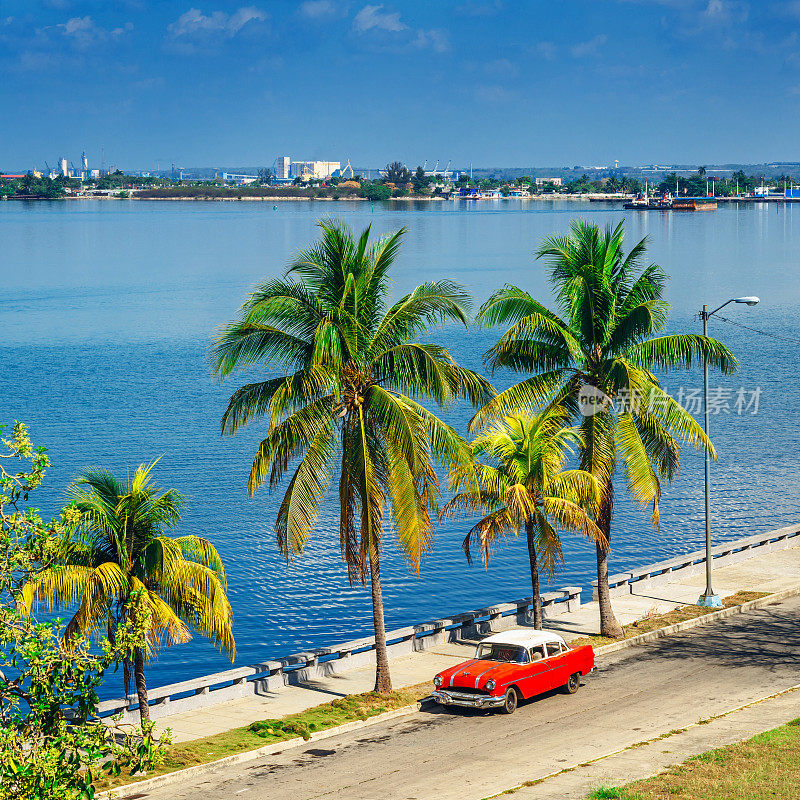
{"points": [[52, 745], [375, 191]]}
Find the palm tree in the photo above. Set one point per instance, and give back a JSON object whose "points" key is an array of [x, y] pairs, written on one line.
{"points": [[118, 553], [603, 344], [348, 400], [525, 487]]}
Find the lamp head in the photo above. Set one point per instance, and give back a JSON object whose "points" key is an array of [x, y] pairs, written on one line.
{"points": [[750, 301]]}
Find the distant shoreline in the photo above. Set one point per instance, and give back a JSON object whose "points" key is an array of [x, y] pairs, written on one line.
{"points": [[579, 198], [279, 198]]}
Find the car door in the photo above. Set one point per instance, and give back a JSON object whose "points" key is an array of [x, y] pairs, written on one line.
{"points": [[557, 665], [535, 681]]}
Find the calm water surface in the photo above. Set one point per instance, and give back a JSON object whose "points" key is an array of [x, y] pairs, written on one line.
{"points": [[108, 309]]}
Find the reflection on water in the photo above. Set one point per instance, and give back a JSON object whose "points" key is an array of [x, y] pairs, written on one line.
{"points": [[108, 311]]}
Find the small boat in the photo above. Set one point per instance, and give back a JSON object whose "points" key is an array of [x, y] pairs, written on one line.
{"points": [[650, 203], [667, 202]]}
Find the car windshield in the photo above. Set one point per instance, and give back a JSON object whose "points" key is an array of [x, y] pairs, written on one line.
{"points": [[510, 653]]}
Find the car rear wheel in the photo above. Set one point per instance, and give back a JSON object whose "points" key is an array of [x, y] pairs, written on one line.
{"points": [[571, 686], [510, 702]]}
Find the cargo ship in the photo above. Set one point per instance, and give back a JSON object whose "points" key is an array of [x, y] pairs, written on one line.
{"points": [[694, 204]]}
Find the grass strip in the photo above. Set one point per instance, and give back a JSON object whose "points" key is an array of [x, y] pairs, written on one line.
{"points": [[319, 718], [652, 622], [764, 767]]}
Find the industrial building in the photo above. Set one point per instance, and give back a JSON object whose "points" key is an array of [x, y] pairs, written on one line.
{"points": [[239, 179], [287, 170], [67, 169]]}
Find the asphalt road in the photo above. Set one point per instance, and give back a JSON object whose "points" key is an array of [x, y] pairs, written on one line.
{"points": [[451, 754]]}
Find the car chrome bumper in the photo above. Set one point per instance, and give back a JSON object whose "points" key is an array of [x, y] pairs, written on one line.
{"points": [[450, 698]]}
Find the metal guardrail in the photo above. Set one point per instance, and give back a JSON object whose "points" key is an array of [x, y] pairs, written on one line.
{"points": [[270, 676], [694, 563]]}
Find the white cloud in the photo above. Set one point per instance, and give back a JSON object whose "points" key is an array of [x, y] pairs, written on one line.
{"points": [[194, 22], [589, 48], [501, 67], [547, 50], [85, 32], [317, 9], [791, 8], [726, 11], [436, 39], [373, 17]]}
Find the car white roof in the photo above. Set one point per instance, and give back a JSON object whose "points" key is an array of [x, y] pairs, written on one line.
{"points": [[525, 637]]}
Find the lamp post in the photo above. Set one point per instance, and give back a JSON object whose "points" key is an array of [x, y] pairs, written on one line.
{"points": [[708, 598]]}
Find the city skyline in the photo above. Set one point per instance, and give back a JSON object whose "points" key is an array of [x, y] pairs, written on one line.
{"points": [[672, 81]]}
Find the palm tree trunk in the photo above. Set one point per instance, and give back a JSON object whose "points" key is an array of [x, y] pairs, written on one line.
{"points": [[537, 596], [141, 684], [383, 680], [608, 622]]}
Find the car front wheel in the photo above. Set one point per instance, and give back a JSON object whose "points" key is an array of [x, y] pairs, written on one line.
{"points": [[571, 686], [510, 702]]}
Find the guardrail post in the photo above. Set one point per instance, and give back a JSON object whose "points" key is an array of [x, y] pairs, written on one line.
{"points": [[573, 595], [524, 610]]}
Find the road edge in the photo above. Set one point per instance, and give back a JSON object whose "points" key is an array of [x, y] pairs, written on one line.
{"points": [[137, 787]]}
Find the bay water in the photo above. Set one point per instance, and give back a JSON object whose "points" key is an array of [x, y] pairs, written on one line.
{"points": [[108, 308]]}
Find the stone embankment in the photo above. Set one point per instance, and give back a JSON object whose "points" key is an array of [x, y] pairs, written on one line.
{"points": [[279, 682]]}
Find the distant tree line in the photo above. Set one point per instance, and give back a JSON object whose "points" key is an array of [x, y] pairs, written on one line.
{"points": [[31, 186], [396, 181]]}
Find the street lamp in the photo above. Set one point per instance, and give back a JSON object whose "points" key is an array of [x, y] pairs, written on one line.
{"points": [[708, 598]]}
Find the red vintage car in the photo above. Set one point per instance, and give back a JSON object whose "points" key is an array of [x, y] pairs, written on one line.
{"points": [[512, 666]]}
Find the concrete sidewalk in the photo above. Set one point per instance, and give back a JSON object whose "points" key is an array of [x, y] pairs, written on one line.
{"points": [[769, 572]]}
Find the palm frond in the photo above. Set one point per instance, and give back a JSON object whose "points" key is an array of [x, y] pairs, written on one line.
{"points": [[299, 508], [642, 481], [678, 352], [287, 440], [275, 397], [243, 344], [486, 534], [531, 394], [512, 304]]}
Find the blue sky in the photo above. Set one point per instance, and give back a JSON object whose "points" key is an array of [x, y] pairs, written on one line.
{"points": [[495, 82]]}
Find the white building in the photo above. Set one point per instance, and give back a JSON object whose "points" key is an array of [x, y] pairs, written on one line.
{"points": [[316, 170], [543, 181], [286, 169], [283, 166]]}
